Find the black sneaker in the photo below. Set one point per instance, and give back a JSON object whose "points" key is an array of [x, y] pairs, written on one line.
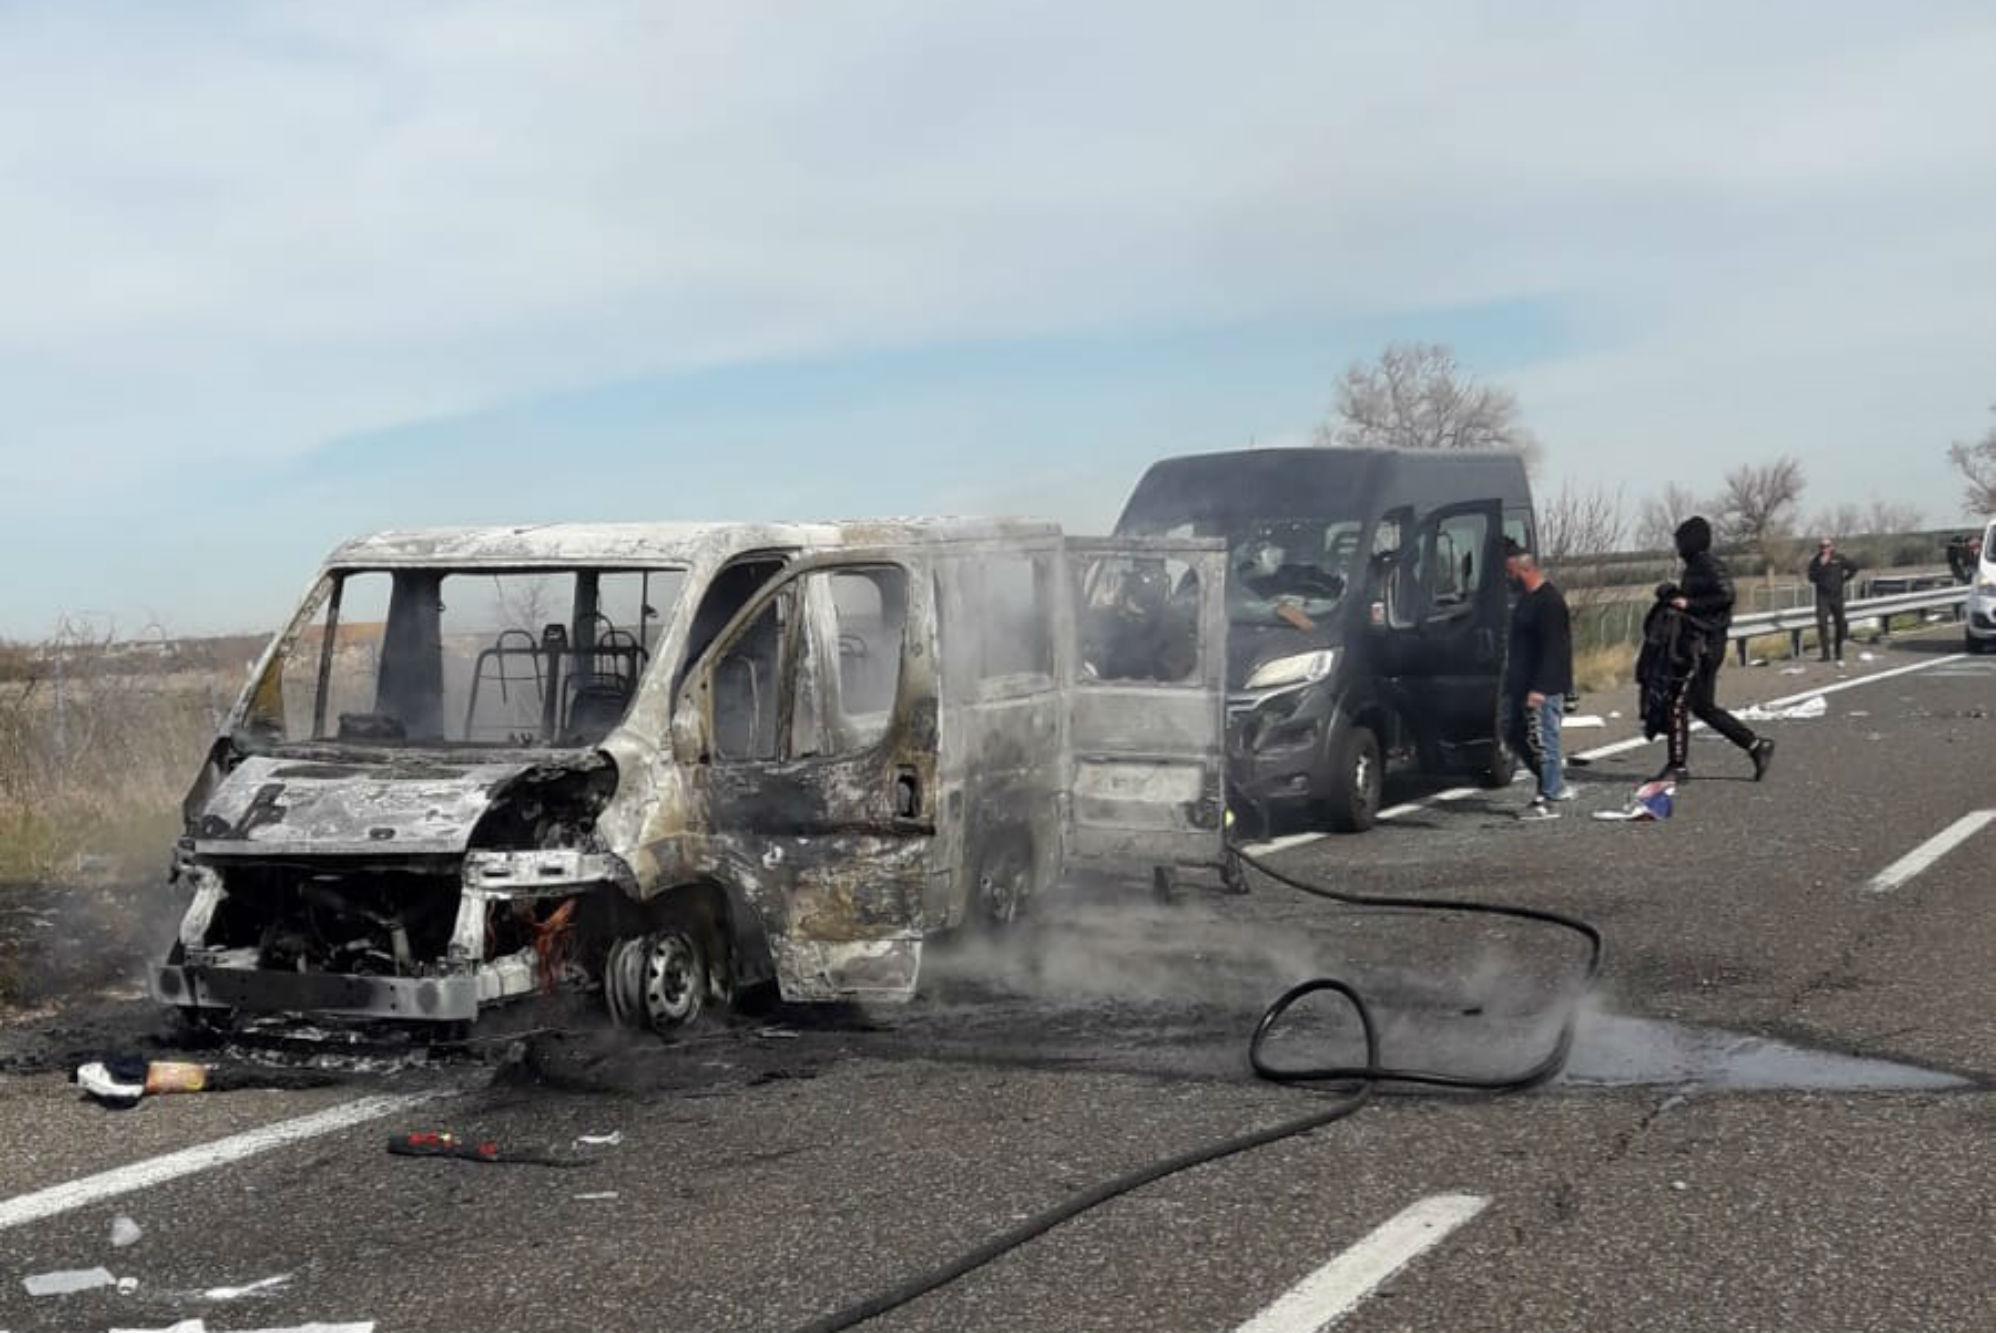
{"points": [[1672, 773], [1760, 755]]}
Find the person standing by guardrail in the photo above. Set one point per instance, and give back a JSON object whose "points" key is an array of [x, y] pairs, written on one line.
{"points": [[1538, 676], [1708, 595], [1828, 572]]}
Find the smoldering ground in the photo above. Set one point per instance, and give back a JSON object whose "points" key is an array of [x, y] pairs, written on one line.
{"points": [[1108, 979]]}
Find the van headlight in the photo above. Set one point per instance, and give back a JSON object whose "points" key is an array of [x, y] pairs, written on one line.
{"points": [[1983, 588], [1298, 669]]}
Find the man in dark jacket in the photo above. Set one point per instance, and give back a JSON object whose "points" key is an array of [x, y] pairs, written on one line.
{"points": [[1538, 676], [1708, 595], [1828, 572]]}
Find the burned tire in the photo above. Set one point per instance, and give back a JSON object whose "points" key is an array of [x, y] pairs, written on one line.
{"points": [[1356, 790], [658, 980]]}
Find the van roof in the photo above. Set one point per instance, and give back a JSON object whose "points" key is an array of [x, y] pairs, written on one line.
{"points": [[648, 544], [1249, 484]]}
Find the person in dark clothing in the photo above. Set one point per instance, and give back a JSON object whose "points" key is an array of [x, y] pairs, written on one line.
{"points": [[1828, 572], [1708, 595], [1538, 676]]}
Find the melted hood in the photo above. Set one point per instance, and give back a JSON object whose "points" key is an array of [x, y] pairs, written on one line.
{"points": [[269, 806]]}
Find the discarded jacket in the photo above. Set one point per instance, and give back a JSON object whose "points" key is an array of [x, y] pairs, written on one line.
{"points": [[1671, 650]]}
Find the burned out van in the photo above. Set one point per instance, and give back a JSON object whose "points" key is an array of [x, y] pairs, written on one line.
{"points": [[1367, 608], [674, 760]]}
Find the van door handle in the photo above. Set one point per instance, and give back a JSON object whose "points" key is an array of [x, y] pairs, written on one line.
{"points": [[909, 794]]}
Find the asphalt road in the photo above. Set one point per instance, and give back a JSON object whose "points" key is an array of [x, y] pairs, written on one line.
{"points": [[1779, 1113]]}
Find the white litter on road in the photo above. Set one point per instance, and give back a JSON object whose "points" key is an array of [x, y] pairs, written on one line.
{"points": [[1793, 671], [248, 1289], [1798, 712], [611, 1140], [68, 1281], [1582, 721], [597, 1194], [124, 1231]]}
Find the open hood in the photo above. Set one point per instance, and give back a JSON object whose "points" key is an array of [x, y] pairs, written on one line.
{"points": [[269, 806]]}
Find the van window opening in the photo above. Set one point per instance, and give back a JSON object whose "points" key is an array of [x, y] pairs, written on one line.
{"points": [[1282, 570], [465, 658]]}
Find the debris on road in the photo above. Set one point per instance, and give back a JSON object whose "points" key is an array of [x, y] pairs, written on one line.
{"points": [[443, 1143], [596, 1194], [611, 1140], [120, 1081], [1793, 671], [124, 1231], [198, 1326], [68, 1281], [1799, 712], [1651, 802], [247, 1289], [1582, 721]]}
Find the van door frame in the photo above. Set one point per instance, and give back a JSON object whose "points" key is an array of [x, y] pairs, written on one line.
{"points": [[834, 851]]}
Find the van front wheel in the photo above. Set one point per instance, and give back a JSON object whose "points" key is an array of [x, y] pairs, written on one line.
{"points": [[1357, 780]]}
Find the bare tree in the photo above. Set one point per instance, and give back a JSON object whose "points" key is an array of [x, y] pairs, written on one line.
{"points": [[1580, 524], [1759, 506], [1845, 520], [1973, 461], [1417, 396], [1662, 513], [1891, 518]]}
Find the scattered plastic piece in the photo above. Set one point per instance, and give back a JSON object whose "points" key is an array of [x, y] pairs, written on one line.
{"points": [[611, 1140], [443, 1143], [780, 1034], [127, 1285], [597, 1194], [124, 1231], [247, 1289], [1857, 712], [1654, 801], [1582, 721], [1614, 715], [1793, 671], [1867, 657], [67, 1281], [1799, 712], [183, 1326]]}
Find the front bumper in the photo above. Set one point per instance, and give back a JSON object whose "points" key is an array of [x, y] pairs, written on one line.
{"points": [[1277, 745], [1979, 616], [446, 999]]}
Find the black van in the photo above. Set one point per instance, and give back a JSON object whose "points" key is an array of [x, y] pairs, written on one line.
{"points": [[1367, 614]]}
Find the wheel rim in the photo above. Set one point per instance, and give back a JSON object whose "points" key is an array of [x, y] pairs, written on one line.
{"points": [[672, 979], [1364, 777]]}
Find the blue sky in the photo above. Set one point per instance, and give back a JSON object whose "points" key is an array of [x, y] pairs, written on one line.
{"points": [[278, 274]]}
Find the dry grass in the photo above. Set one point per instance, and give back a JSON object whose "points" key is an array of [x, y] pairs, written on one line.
{"points": [[94, 782], [1603, 668]]}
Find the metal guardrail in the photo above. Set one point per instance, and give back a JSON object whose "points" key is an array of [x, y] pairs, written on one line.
{"points": [[1797, 620]]}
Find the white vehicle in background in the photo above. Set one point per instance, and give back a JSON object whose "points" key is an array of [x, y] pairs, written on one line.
{"points": [[1979, 601]]}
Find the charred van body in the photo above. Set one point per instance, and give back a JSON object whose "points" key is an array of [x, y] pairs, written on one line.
{"points": [[1367, 609], [673, 760]]}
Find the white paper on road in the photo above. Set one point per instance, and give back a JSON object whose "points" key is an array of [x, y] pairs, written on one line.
{"points": [[67, 1281], [1798, 712], [1579, 721]]}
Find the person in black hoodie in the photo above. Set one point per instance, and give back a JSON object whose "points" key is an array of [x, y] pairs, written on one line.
{"points": [[1707, 595]]}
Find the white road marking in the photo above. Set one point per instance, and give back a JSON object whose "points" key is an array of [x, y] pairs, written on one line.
{"points": [[1332, 1290], [1919, 859], [87, 1190], [1601, 752]]}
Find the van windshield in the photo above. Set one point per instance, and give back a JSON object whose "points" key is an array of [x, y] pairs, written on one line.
{"points": [[1282, 571], [439, 658]]}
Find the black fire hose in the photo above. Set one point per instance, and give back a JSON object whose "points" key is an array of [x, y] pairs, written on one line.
{"points": [[1362, 1079]]}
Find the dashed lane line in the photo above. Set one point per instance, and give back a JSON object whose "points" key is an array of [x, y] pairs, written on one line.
{"points": [[1328, 1293], [1920, 858], [87, 1190], [1605, 752]]}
